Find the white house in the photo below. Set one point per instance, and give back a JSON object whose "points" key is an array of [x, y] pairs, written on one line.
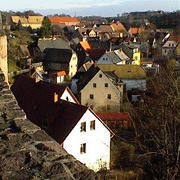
{"points": [[168, 49], [81, 133], [109, 58]]}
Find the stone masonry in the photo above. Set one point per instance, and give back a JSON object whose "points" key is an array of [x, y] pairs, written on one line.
{"points": [[27, 152]]}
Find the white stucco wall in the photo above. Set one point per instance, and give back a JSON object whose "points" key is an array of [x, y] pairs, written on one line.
{"points": [[97, 143], [66, 95], [134, 83]]}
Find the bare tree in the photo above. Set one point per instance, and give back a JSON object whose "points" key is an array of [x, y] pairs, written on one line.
{"points": [[156, 123]]}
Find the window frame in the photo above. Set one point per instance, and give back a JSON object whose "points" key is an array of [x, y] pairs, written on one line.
{"points": [[91, 96], [83, 127], [92, 125], [109, 96], [83, 148], [106, 85]]}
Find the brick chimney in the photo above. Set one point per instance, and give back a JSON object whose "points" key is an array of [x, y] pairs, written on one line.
{"points": [[56, 97]]}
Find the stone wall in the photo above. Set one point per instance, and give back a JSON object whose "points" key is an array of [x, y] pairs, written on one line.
{"points": [[27, 152]]}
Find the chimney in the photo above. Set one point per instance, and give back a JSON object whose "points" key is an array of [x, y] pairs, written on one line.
{"points": [[56, 97]]}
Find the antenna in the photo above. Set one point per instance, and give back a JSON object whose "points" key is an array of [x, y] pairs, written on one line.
{"points": [[75, 14]]}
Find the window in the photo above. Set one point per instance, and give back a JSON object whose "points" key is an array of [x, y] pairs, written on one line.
{"points": [[67, 99], [106, 85], [92, 125], [83, 148], [109, 96], [100, 75], [103, 58], [91, 96], [108, 107], [94, 85], [83, 127]]}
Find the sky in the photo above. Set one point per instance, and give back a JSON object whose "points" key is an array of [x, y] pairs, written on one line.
{"points": [[89, 7]]}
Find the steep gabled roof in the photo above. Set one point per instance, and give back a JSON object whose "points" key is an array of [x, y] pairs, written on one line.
{"points": [[174, 38], [86, 45], [87, 76], [58, 55], [63, 116], [105, 28], [118, 27], [34, 96], [112, 55], [58, 43]]}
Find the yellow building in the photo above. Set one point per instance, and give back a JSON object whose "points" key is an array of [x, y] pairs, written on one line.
{"points": [[73, 64], [34, 22], [178, 50], [136, 57]]}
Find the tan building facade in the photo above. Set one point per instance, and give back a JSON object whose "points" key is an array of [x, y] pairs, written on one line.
{"points": [[101, 94], [34, 22]]}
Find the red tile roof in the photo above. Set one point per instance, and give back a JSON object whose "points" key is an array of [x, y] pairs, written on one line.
{"points": [[174, 38], [57, 19], [63, 117], [114, 116], [95, 54], [135, 30], [32, 97], [86, 45], [118, 27]]}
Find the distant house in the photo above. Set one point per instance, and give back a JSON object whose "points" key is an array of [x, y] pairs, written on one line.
{"points": [[68, 122], [121, 54], [105, 28], [118, 27], [109, 58], [34, 96], [169, 47], [77, 126], [97, 90], [133, 76], [135, 30], [116, 120], [34, 22], [68, 21], [60, 60], [57, 43]]}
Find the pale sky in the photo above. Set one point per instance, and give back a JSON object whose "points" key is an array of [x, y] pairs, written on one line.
{"points": [[91, 7]]}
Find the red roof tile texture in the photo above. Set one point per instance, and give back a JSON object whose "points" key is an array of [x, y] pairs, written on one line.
{"points": [[34, 96], [57, 19], [63, 118], [113, 116], [135, 30]]}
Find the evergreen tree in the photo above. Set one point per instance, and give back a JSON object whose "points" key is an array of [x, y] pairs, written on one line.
{"points": [[46, 29]]}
